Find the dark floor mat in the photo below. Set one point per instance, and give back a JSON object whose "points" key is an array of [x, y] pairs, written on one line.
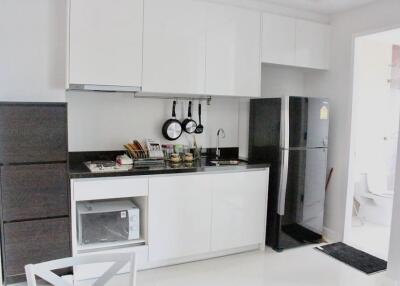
{"points": [[353, 257]]}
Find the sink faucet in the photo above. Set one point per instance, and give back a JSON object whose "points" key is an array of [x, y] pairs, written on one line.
{"points": [[222, 133]]}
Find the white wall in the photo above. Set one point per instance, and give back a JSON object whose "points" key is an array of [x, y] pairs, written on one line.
{"points": [[394, 253], [32, 50], [106, 121], [337, 85], [282, 81]]}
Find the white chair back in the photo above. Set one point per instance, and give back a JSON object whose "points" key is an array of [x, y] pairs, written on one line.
{"points": [[119, 260]]}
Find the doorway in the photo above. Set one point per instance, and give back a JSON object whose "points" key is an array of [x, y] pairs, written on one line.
{"points": [[375, 129]]}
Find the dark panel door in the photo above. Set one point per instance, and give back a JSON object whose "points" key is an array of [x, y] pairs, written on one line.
{"points": [[311, 216], [265, 129], [308, 122], [34, 242], [33, 133], [34, 191], [302, 208]]}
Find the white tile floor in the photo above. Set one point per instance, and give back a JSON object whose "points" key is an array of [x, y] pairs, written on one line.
{"points": [[371, 238], [298, 267]]}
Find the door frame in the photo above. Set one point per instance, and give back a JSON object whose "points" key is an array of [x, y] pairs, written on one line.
{"points": [[353, 131]]}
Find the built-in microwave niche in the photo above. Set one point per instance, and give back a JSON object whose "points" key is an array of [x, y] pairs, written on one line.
{"points": [[111, 224]]}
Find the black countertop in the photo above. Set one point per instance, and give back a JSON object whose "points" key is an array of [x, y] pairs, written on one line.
{"points": [[78, 169]]}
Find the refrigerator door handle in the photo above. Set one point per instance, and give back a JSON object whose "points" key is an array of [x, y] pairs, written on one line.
{"points": [[283, 181], [284, 139]]}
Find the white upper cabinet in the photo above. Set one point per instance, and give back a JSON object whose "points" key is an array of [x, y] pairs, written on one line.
{"points": [[105, 42], [174, 46], [194, 47], [233, 56], [312, 45], [292, 42], [278, 40]]}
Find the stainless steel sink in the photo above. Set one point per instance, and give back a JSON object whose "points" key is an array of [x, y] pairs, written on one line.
{"points": [[224, 162]]}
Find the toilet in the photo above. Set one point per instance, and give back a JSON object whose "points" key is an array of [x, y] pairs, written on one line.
{"points": [[376, 201]]}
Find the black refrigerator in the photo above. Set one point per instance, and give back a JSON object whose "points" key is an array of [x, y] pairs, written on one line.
{"points": [[291, 133]]}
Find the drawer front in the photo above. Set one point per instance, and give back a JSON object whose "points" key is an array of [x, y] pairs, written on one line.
{"points": [[34, 191], [35, 242], [33, 133], [109, 188]]}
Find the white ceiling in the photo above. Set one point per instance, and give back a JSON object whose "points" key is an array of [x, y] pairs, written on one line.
{"points": [[321, 6]]}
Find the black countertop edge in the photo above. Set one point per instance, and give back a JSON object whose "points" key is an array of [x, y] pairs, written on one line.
{"points": [[78, 170], [83, 172]]}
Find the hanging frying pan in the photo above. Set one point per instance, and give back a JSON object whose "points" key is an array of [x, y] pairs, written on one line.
{"points": [[200, 127], [172, 128], [189, 125]]}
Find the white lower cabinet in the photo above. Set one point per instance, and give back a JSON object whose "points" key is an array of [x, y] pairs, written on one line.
{"points": [[198, 214], [184, 217], [179, 216], [238, 209]]}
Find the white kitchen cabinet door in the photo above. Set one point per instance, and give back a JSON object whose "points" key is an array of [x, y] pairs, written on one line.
{"points": [[312, 45], [239, 209], [278, 40], [179, 222], [233, 53], [105, 42], [174, 46]]}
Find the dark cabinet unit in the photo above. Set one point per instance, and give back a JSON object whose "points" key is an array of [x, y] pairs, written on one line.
{"points": [[35, 215], [33, 242], [33, 133], [34, 191]]}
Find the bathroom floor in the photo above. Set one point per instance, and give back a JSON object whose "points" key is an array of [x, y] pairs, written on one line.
{"points": [[371, 238]]}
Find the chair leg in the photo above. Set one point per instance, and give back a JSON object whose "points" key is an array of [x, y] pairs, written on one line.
{"points": [[30, 275], [133, 270]]}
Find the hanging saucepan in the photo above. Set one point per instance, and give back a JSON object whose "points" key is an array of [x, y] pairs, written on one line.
{"points": [[172, 128], [189, 125]]}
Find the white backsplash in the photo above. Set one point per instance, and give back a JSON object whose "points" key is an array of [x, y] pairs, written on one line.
{"points": [[105, 121]]}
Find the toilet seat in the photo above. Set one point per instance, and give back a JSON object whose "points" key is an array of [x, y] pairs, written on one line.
{"points": [[375, 207], [389, 194]]}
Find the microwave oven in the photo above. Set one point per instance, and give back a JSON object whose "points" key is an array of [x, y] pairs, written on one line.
{"points": [[108, 221]]}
